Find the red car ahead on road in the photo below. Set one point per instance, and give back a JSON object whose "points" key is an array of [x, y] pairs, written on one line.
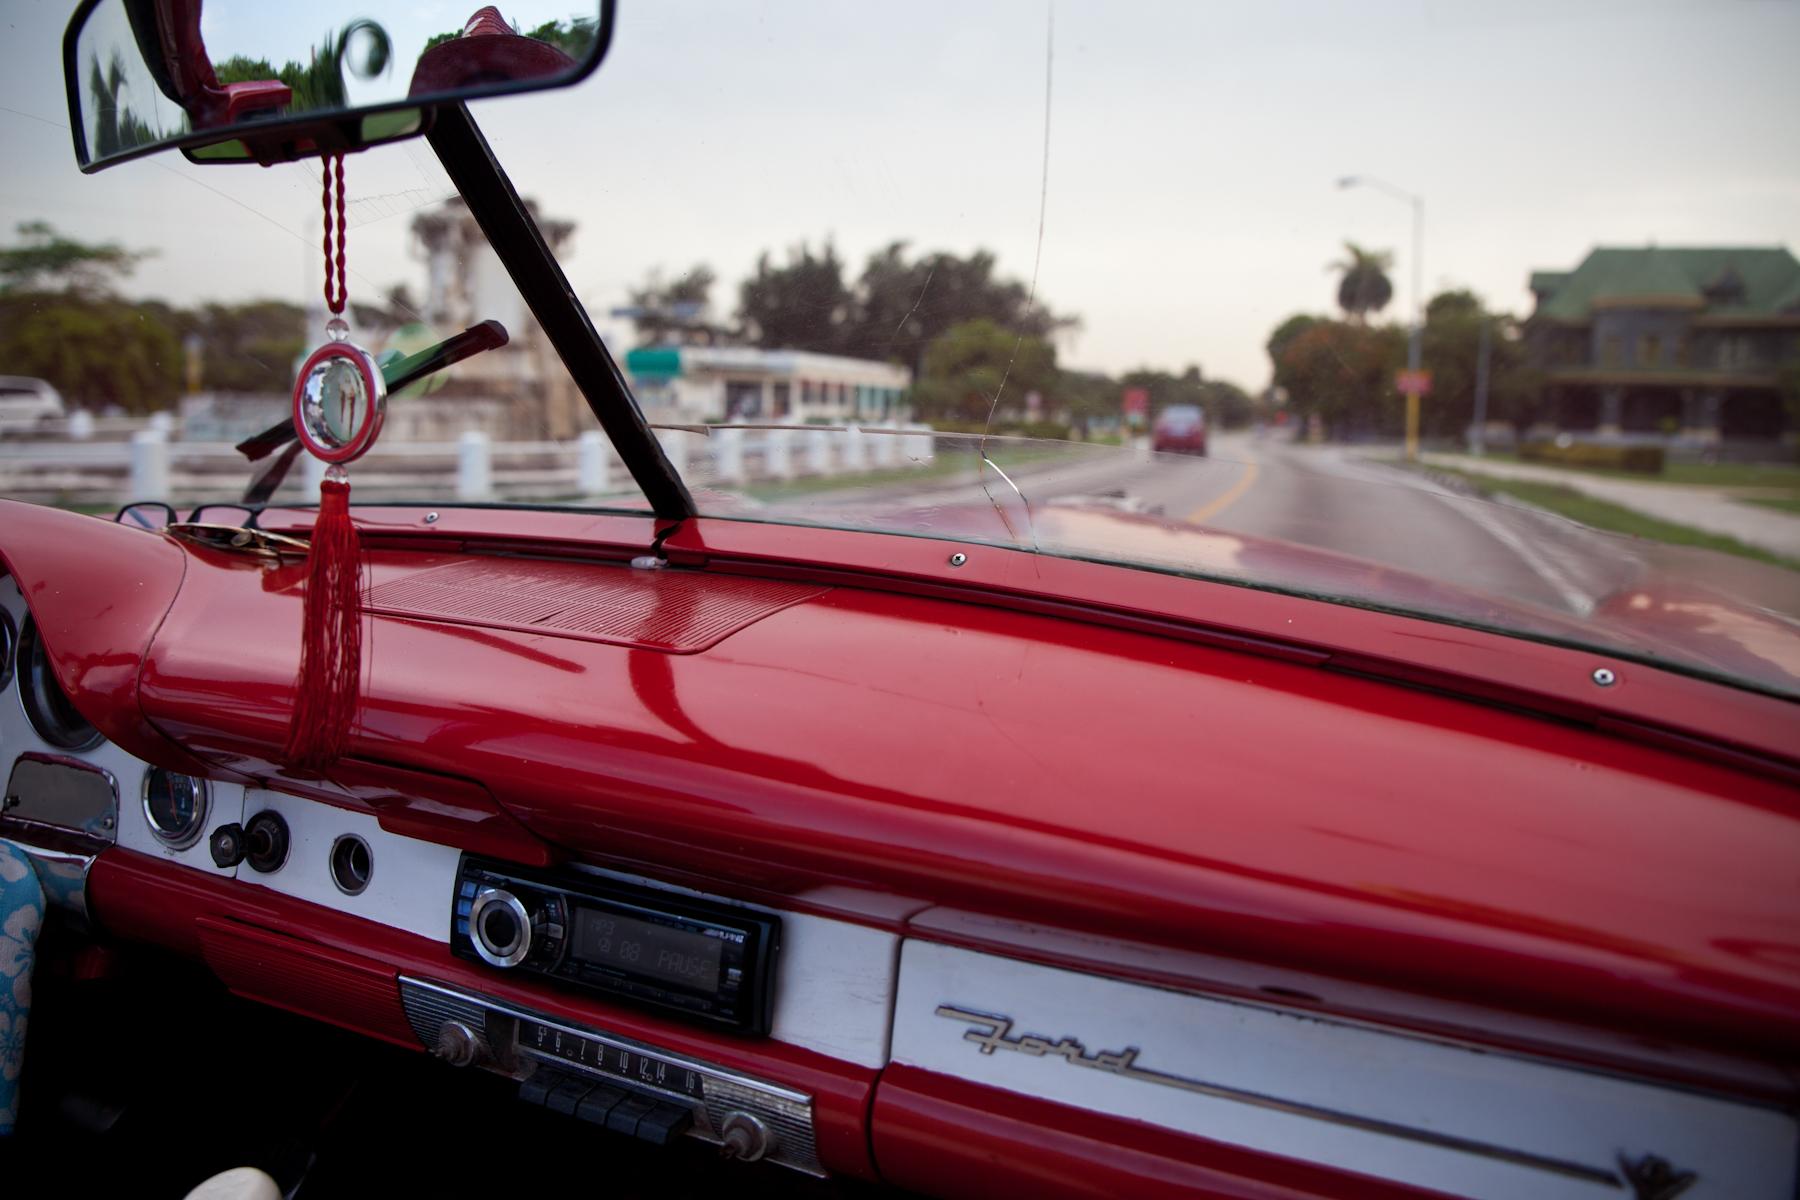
{"points": [[1180, 427]]}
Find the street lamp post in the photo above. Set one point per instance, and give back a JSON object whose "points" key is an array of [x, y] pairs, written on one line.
{"points": [[1418, 297]]}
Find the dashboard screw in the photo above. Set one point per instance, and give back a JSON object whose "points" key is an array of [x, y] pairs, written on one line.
{"points": [[958, 559], [431, 518], [1604, 676]]}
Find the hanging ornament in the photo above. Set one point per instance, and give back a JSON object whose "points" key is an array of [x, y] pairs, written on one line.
{"points": [[339, 404]]}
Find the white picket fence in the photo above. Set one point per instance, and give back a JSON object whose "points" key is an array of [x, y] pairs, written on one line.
{"points": [[145, 462]]}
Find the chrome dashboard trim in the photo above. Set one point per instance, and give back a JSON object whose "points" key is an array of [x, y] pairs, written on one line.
{"points": [[1463, 1120], [61, 857], [991, 1031], [785, 1111]]}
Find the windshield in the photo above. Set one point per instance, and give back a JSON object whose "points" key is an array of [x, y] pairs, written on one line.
{"points": [[1457, 311]]}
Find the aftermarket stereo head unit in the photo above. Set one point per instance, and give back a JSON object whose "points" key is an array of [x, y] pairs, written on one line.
{"points": [[709, 962]]}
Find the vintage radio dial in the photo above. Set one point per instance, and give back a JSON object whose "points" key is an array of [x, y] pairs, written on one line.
{"points": [[456, 1044], [500, 928]]}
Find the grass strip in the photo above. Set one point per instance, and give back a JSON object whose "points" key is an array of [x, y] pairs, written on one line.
{"points": [[1613, 518]]}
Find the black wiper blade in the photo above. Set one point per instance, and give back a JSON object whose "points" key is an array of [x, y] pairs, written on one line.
{"points": [[489, 335]]}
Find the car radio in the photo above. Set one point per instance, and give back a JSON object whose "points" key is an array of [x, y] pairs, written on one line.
{"points": [[709, 962]]}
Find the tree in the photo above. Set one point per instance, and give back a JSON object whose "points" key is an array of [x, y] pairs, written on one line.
{"points": [[901, 306], [1451, 348], [1344, 373], [45, 260], [96, 351], [1364, 287], [677, 311], [250, 347], [802, 305], [964, 370], [59, 323], [1083, 396], [1227, 405]]}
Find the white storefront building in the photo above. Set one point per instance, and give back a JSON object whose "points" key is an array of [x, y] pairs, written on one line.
{"points": [[697, 385]]}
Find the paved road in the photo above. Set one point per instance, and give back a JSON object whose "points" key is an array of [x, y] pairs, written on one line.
{"points": [[1320, 496]]}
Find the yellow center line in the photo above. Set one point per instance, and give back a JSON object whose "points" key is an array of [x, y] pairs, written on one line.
{"points": [[1231, 496]]}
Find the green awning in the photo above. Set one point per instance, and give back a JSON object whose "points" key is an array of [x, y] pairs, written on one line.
{"points": [[658, 362]]}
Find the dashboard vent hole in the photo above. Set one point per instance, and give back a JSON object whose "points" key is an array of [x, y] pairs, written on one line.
{"points": [[352, 865]]}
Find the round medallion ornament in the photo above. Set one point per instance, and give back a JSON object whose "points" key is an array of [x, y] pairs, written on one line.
{"points": [[340, 402]]}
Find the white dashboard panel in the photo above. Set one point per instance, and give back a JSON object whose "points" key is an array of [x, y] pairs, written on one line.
{"points": [[1422, 1112], [412, 883]]}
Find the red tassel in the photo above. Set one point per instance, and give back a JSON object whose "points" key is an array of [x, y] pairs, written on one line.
{"points": [[327, 690]]}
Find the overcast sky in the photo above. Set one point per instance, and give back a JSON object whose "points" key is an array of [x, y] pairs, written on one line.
{"points": [[1193, 151]]}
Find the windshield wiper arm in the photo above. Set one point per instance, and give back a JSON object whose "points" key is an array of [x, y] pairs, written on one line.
{"points": [[489, 335]]}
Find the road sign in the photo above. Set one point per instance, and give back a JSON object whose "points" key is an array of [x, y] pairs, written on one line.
{"points": [[1413, 383], [1135, 401]]}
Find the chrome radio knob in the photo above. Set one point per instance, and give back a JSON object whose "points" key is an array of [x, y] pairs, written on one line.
{"points": [[456, 1044], [744, 1137], [500, 928]]}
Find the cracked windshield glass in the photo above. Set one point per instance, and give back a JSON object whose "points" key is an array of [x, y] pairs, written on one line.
{"points": [[1488, 313]]}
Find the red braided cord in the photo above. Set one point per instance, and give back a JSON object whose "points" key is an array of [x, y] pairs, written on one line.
{"points": [[337, 286]]}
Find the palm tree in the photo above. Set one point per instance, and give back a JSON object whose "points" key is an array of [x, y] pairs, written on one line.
{"points": [[1365, 287]]}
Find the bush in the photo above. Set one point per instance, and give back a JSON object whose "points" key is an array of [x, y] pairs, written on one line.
{"points": [[1611, 456]]}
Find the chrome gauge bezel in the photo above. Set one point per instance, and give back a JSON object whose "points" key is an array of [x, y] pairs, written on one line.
{"points": [[9, 645], [187, 836], [40, 694]]}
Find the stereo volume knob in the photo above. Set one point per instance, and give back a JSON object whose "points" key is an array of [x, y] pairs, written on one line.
{"points": [[456, 1044], [744, 1137], [500, 928]]}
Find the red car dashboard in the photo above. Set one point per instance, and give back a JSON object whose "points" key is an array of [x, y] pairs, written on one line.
{"points": [[835, 875]]}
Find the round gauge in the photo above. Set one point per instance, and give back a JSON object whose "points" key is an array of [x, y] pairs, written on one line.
{"points": [[47, 707], [9, 641], [175, 805]]}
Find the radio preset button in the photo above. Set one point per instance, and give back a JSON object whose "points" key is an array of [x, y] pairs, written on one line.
{"points": [[599, 1103], [566, 1096], [627, 1113], [664, 1123]]}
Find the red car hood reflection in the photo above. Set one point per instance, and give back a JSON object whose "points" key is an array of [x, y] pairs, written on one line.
{"points": [[1662, 615]]}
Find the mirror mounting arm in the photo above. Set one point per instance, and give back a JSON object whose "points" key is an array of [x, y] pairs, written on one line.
{"points": [[515, 237]]}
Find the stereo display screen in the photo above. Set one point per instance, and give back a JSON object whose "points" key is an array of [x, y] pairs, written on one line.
{"points": [[641, 948]]}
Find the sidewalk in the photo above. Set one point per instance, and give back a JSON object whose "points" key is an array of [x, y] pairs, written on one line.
{"points": [[1711, 509]]}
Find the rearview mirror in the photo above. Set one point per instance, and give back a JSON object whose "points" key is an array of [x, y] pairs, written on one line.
{"points": [[252, 80]]}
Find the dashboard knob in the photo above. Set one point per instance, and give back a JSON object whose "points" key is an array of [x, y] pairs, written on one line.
{"points": [[456, 1044], [744, 1136], [500, 928], [227, 845]]}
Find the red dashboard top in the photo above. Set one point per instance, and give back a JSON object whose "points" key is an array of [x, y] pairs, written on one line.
{"points": [[1064, 771]]}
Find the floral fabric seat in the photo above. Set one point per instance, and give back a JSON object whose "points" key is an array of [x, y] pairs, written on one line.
{"points": [[21, 916]]}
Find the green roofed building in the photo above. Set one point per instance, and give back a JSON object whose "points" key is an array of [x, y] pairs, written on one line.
{"points": [[1692, 344]]}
